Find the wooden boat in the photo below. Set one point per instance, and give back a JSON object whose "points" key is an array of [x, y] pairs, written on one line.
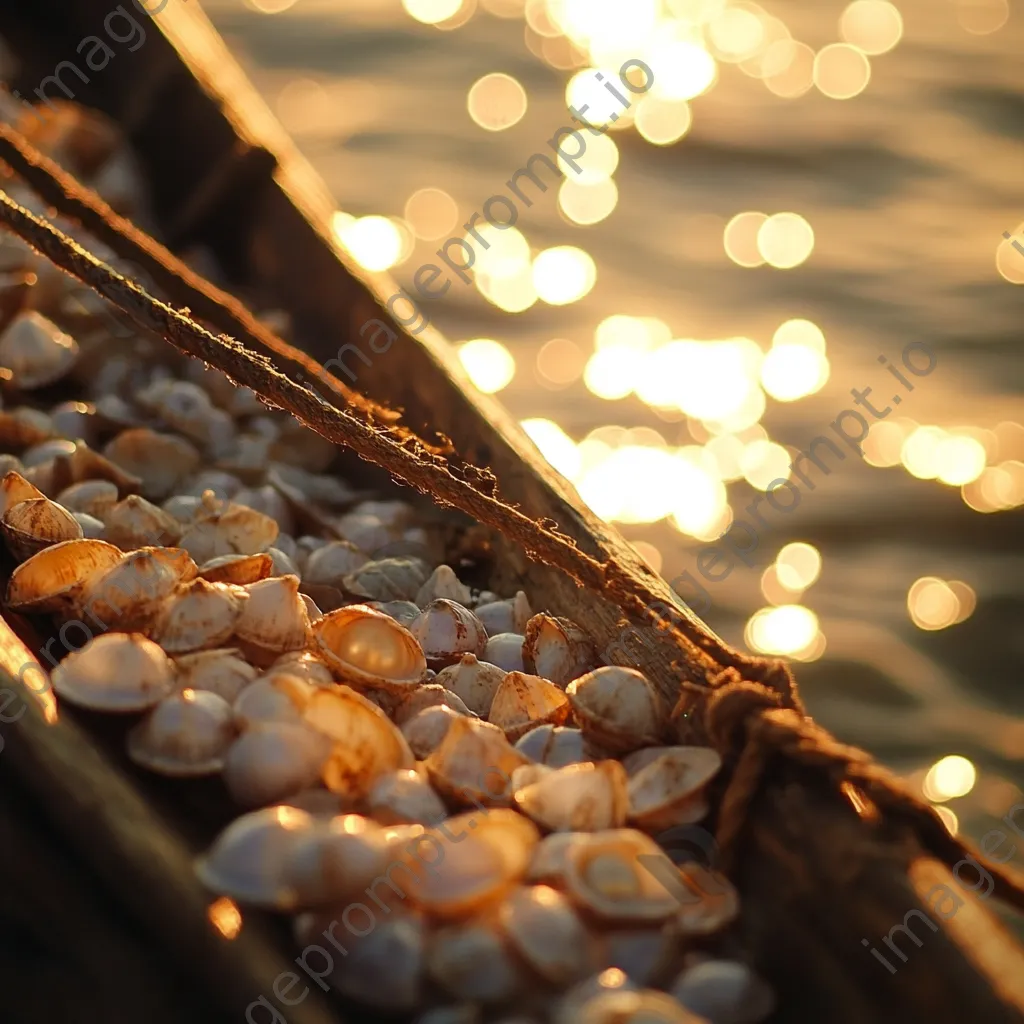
{"points": [[104, 918]]}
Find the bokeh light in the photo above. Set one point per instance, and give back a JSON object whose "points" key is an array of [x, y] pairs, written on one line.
{"points": [[933, 604], [795, 74], [1010, 260], [841, 71], [763, 462], [663, 121], [740, 238], [874, 26], [960, 460], [271, 6], [950, 777], [489, 364], [587, 203], [430, 12], [981, 17], [431, 213], [496, 101], [785, 240], [798, 565], [555, 445], [374, 242], [560, 362], [787, 629], [563, 274]]}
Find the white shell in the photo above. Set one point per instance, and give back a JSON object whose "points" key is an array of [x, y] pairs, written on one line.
{"points": [[330, 564], [276, 698], [584, 797], [221, 671], [36, 351], [472, 961], [389, 579], [666, 784], [523, 701], [187, 734], [617, 708], [404, 797], [506, 651], [428, 695], [474, 681], [446, 631], [199, 615], [130, 594], [443, 582], [274, 619], [509, 616], [117, 672], [557, 649], [724, 990], [160, 461], [304, 664], [94, 497], [135, 522], [555, 746], [403, 612], [272, 761], [370, 649], [234, 530], [426, 730]]}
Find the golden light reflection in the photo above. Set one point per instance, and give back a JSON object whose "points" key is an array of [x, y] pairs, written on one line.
{"points": [[800, 332], [884, 443], [737, 32], [841, 71], [798, 565], [598, 162], [431, 213], [638, 333], [430, 12], [997, 489], [662, 121], [960, 459], [791, 372], [506, 252], [555, 445], [935, 604], [874, 26], [981, 17], [584, 88], [496, 102], [560, 362], [774, 54], [774, 589], [225, 916], [489, 364], [513, 293], [785, 240], [682, 68], [1009, 440], [374, 242], [784, 630], [459, 18], [610, 373], [587, 203], [949, 819], [1009, 260], [795, 74], [950, 777], [563, 274], [649, 553], [763, 462], [740, 238], [504, 8], [727, 451], [919, 453]]}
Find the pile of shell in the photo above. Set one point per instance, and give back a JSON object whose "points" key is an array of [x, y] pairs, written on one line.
{"points": [[437, 780]]}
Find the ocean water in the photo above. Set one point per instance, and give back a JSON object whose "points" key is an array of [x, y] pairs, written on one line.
{"points": [[908, 187]]}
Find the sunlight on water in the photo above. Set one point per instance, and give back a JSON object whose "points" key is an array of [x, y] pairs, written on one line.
{"points": [[789, 69], [841, 71], [798, 565], [873, 26], [586, 203], [560, 362], [563, 274], [980, 17], [785, 240], [788, 629], [430, 12], [935, 604], [740, 238], [270, 6], [950, 777], [496, 102], [374, 242], [555, 445], [663, 122], [431, 212], [489, 364], [763, 462]]}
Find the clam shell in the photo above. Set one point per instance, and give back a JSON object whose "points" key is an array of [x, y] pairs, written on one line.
{"points": [[200, 615], [304, 664], [240, 569], [643, 1007], [30, 526], [428, 695], [330, 564], [130, 594], [555, 746], [606, 876], [118, 672], [443, 583], [272, 761], [15, 489], [274, 618], [135, 522], [548, 934], [36, 351], [506, 651], [221, 671], [248, 860], [234, 530], [446, 630], [647, 956], [617, 708], [557, 649], [52, 579], [474, 764], [92, 528], [666, 784], [159, 461], [550, 860], [22, 427], [186, 735], [366, 743], [426, 730], [472, 961], [389, 579], [404, 797], [474, 681], [584, 797], [403, 612], [523, 701], [276, 698], [707, 900], [726, 991], [509, 616], [369, 649]]}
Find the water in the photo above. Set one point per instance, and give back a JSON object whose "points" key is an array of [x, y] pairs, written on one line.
{"points": [[908, 188]]}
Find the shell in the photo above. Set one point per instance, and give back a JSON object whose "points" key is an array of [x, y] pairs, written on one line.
{"points": [[506, 651], [272, 761], [425, 731], [725, 991], [643, 1007], [550, 860], [523, 701], [92, 528], [548, 934], [221, 671], [443, 583], [557, 649], [404, 797], [571, 1005], [387, 970], [248, 860], [131, 594], [648, 956], [134, 522], [394, 513], [555, 746], [160, 461], [474, 681], [446, 630], [509, 616], [281, 563], [584, 797], [187, 734], [277, 698], [390, 579], [617, 708], [235, 530], [366, 743], [484, 856], [707, 900], [304, 664], [45, 452], [472, 961], [36, 351], [464, 767], [370, 649], [403, 612], [331, 563], [22, 427], [119, 672], [666, 784], [367, 532], [30, 526], [270, 502], [53, 579], [274, 619], [606, 875], [83, 464], [200, 615], [240, 569], [428, 695]]}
